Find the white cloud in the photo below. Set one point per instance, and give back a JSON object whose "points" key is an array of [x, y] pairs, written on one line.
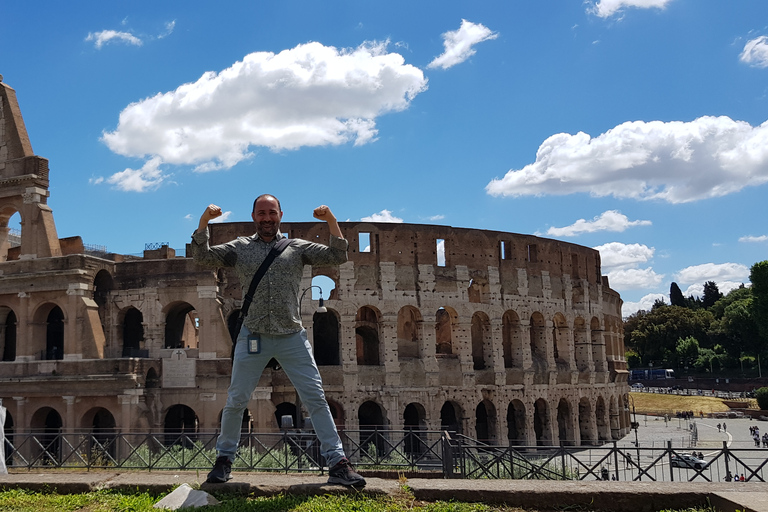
{"points": [[754, 239], [111, 36], [436, 217], [310, 95], [169, 26], [645, 303], [224, 217], [607, 8], [611, 220], [382, 216], [188, 216], [149, 177], [699, 274], [616, 255], [755, 52], [458, 44], [634, 278], [675, 161]]}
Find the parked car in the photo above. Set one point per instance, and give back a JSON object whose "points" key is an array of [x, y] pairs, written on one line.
{"points": [[687, 461], [638, 385]]}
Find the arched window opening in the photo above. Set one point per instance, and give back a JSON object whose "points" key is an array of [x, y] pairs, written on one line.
{"points": [[152, 381], [102, 286], [285, 415], [481, 349], [54, 336], [516, 423], [485, 422], [511, 344], [133, 334], [443, 328], [367, 336], [101, 443], [450, 415], [325, 338], [413, 421], [408, 322], [560, 342], [479, 291], [326, 285], [564, 423], [370, 417], [180, 426], [539, 349], [181, 326], [10, 234], [601, 418], [46, 423], [8, 334], [541, 423], [585, 425]]}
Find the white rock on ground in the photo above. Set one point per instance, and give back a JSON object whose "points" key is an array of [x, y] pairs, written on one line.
{"points": [[185, 496]]}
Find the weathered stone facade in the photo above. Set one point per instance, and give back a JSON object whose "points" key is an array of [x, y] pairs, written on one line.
{"points": [[505, 337]]}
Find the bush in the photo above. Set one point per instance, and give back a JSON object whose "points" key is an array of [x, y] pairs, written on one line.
{"points": [[762, 398]]}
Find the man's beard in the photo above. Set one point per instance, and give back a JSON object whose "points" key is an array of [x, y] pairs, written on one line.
{"points": [[267, 229]]}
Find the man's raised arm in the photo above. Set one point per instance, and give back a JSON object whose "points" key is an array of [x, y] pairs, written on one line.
{"points": [[324, 213]]}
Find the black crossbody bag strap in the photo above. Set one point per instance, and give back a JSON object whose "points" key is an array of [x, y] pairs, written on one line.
{"points": [[274, 253]]}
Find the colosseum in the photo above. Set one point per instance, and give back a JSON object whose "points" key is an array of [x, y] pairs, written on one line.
{"points": [[507, 338]]}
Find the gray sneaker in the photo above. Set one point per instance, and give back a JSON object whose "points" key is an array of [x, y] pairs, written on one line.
{"points": [[221, 471], [344, 474]]}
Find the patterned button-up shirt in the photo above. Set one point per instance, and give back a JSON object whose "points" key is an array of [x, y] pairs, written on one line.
{"points": [[275, 307]]}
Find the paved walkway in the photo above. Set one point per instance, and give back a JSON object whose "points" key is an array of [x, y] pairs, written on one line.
{"points": [[531, 494]]}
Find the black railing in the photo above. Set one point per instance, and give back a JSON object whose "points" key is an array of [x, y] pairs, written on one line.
{"points": [[438, 452]]}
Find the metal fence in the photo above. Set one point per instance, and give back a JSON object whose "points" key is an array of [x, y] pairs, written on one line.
{"points": [[439, 453]]}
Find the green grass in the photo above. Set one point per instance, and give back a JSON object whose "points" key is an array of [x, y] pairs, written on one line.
{"points": [[110, 501]]}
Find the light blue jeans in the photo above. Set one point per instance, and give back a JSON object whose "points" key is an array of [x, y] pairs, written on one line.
{"points": [[294, 353]]}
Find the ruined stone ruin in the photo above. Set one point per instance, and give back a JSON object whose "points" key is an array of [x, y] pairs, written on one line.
{"points": [[507, 338]]}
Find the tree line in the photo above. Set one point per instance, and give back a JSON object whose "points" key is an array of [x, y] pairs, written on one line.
{"points": [[715, 333]]}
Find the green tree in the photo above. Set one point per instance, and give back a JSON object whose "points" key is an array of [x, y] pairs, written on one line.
{"points": [[654, 334], [711, 294], [687, 349], [762, 398], [676, 297]]}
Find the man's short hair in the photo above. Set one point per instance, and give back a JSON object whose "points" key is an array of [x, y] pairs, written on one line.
{"points": [[279, 208]]}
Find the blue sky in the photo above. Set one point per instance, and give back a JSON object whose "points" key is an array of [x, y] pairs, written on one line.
{"points": [[632, 126]]}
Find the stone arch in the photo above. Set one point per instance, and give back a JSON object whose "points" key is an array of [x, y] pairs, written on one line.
{"points": [[451, 415], [409, 323], [132, 333], [337, 413], [485, 422], [479, 291], [560, 342], [538, 341], [565, 432], [152, 380], [8, 330], [8, 238], [367, 331], [101, 424], [181, 326], [372, 422], [180, 426], [103, 284], [325, 338], [326, 274], [414, 420], [511, 340], [601, 419], [481, 341], [517, 424], [47, 424], [445, 318], [586, 432], [286, 409], [541, 422]]}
